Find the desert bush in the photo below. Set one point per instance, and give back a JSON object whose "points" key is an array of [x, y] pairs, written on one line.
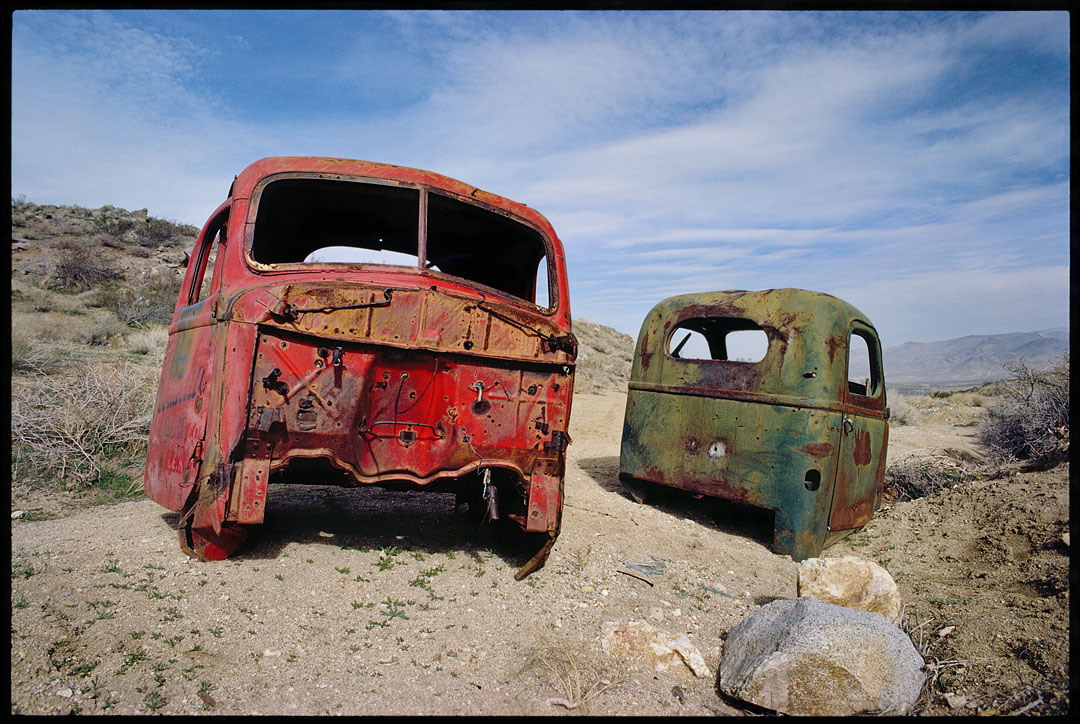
{"points": [[918, 476], [30, 355], [78, 269], [151, 341], [98, 332], [156, 232], [70, 428], [903, 412], [1032, 421], [148, 299], [114, 227]]}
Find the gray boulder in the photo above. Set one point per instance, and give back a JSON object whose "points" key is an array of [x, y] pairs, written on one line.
{"points": [[806, 657]]}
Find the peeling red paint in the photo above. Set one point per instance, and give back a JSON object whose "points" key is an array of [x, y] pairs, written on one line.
{"points": [[438, 376]]}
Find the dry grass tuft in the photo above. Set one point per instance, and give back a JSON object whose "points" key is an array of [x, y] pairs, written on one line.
{"points": [[573, 677], [918, 476], [70, 426]]}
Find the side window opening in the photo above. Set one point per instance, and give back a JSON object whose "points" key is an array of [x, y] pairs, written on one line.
{"points": [[541, 294], [722, 339], [863, 374], [205, 273]]}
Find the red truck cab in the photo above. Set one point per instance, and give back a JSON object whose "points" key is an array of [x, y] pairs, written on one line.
{"points": [[362, 323]]}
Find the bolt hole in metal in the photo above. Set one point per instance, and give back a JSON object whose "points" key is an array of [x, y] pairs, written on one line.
{"points": [[717, 450], [812, 481]]}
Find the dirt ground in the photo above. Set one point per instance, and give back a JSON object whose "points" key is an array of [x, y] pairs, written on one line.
{"points": [[365, 601]]}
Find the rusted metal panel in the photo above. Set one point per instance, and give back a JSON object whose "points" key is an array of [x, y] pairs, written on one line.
{"points": [[390, 374], [783, 433]]}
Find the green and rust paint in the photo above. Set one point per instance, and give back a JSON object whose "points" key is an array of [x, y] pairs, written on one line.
{"points": [[787, 433]]}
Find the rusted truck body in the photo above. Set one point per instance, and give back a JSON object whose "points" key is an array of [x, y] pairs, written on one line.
{"points": [[796, 431], [354, 323]]}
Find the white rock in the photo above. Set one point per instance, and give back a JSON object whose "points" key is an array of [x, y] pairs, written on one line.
{"points": [[665, 651], [16, 514], [852, 582]]}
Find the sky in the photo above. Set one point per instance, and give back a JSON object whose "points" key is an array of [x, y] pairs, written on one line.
{"points": [[913, 164]]}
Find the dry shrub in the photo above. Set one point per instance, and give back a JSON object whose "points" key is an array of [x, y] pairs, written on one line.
{"points": [[78, 269], [918, 476], [156, 232], [116, 228], [28, 354], [903, 412], [1032, 421], [68, 427], [98, 333], [148, 299]]}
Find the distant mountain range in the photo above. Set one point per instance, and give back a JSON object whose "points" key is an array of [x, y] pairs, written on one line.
{"points": [[971, 360]]}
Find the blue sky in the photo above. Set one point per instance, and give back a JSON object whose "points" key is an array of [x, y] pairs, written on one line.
{"points": [[914, 164]]}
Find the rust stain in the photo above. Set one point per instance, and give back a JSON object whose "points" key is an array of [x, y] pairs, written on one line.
{"points": [[863, 453], [817, 450]]}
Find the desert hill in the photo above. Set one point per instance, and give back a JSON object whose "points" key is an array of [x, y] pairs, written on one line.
{"points": [[973, 359]]}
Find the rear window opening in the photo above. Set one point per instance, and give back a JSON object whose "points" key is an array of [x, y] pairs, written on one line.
{"points": [[722, 339], [326, 221]]}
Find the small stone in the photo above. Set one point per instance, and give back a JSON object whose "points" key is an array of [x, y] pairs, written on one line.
{"points": [[945, 631], [665, 651], [16, 514], [955, 701], [65, 692], [1065, 538], [324, 534], [588, 589]]}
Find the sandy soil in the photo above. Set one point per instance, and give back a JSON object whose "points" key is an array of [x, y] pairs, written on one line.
{"points": [[375, 602]]}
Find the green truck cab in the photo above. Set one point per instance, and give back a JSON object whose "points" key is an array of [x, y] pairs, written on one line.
{"points": [[801, 430]]}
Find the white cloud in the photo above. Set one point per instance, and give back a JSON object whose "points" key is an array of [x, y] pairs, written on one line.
{"points": [[672, 152]]}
